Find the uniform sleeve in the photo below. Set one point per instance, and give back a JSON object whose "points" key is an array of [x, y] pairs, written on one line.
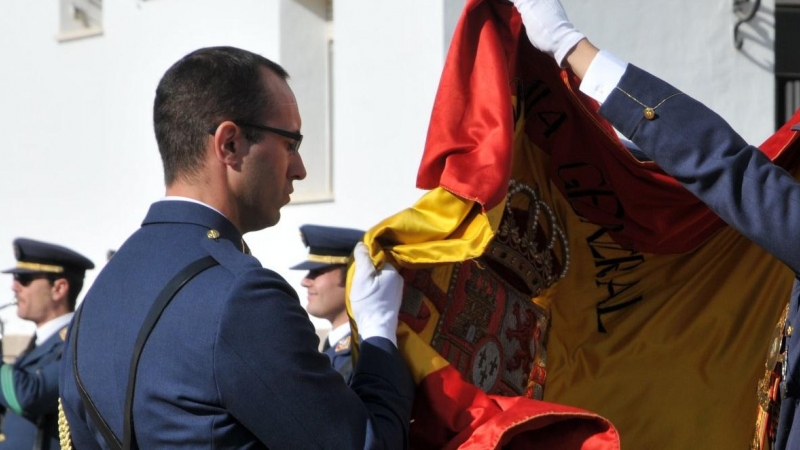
{"points": [[698, 148], [31, 392], [273, 379]]}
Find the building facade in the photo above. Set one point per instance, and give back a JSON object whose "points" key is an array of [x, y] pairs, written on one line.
{"points": [[77, 82]]}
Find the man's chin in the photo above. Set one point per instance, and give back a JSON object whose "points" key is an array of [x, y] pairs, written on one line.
{"points": [[273, 218], [266, 222]]}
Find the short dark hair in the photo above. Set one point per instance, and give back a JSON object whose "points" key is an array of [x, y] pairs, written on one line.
{"points": [[75, 285], [202, 89]]}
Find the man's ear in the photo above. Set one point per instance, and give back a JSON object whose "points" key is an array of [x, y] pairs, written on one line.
{"points": [[224, 142], [60, 290]]}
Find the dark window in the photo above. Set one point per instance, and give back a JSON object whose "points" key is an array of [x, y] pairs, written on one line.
{"points": [[787, 61]]}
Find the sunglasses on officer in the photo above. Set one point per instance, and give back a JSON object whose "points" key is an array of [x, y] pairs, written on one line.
{"points": [[25, 279]]}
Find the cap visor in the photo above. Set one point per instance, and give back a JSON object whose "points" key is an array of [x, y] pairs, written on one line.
{"points": [[310, 265], [18, 270]]}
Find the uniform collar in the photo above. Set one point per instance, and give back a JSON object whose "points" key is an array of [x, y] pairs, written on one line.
{"points": [[46, 331], [190, 200], [338, 333], [179, 210]]}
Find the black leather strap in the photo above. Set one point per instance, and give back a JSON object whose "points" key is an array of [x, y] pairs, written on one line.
{"points": [[164, 298], [172, 288]]}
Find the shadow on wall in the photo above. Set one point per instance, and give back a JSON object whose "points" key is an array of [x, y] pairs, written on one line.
{"points": [[759, 32]]}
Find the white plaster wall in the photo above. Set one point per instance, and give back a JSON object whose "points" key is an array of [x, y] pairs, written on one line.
{"points": [[304, 54], [81, 166], [388, 59], [690, 44]]}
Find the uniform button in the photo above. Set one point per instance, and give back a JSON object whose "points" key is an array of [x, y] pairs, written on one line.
{"points": [[649, 113], [212, 234], [789, 330]]}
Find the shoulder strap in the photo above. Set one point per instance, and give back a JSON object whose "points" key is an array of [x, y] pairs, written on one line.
{"points": [[166, 295], [164, 298]]}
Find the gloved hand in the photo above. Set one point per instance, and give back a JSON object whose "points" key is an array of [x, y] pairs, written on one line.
{"points": [[375, 297], [548, 27]]}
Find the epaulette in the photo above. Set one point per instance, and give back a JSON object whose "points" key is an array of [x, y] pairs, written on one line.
{"points": [[228, 255], [233, 259]]}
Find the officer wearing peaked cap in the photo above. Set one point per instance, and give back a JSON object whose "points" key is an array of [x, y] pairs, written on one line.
{"points": [[328, 251], [47, 281]]}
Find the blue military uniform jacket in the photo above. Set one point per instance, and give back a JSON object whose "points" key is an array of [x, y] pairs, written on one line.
{"points": [[29, 396], [760, 200], [340, 356], [233, 361]]}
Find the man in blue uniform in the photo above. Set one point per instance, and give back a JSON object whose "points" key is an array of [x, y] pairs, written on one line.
{"points": [[232, 359], [698, 148], [328, 251], [47, 281]]}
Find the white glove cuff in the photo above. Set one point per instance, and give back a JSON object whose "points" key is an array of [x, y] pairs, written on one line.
{"points": [[566, 43], [376, 327], [548, 27]]}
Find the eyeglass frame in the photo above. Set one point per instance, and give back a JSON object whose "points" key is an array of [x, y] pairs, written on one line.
{"points": [[296, 137]]}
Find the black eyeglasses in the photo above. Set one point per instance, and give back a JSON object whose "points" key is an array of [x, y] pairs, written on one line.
{"points": [[296, 137], [25, 279]]}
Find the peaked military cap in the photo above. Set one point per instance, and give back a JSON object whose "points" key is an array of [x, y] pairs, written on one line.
{"points": [[327, 246], [42, 257]]}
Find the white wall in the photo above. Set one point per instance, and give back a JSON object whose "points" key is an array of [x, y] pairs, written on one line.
{"points": [[81, 166], [690, 44], [388, 59], [304, 54]]}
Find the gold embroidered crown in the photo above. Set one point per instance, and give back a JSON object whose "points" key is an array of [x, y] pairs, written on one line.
{"points": [[526, 242]]}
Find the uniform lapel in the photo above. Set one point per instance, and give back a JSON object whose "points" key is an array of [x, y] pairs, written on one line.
{"points": [[39, 351]]}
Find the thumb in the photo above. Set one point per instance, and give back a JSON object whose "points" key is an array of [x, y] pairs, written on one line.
{"points": [[361, 255], [364, 277]]}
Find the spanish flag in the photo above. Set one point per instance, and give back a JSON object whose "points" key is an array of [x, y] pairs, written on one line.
{"points": [[555, 284]]}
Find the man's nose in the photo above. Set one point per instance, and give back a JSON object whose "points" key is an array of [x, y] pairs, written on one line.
{"points": [[298, 169]]}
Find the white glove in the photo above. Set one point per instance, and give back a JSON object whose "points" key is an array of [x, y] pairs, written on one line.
{"points": [[548, 27], [375, 297]]}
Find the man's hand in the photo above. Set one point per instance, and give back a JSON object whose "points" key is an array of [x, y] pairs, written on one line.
{"points": [[548, 27], [375, 297]]}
